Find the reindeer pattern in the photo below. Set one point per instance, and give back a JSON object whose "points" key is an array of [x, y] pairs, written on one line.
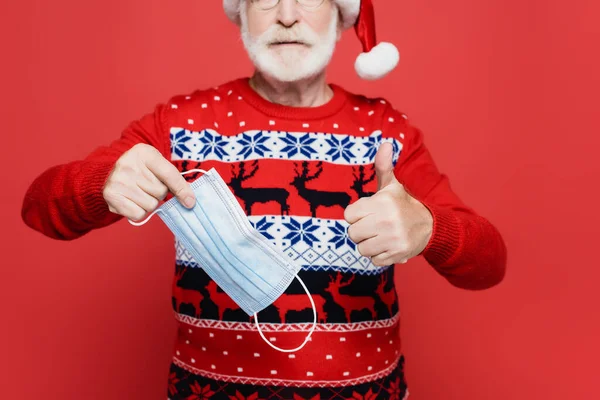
{"points": [[339, 296], [304, 184], [251, 195]]}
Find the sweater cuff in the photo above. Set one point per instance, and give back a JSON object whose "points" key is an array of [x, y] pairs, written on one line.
{"points": [[446, 236], [92, 181]]}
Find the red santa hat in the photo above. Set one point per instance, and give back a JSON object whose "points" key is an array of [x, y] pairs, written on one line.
{"points": [[376, 60]]}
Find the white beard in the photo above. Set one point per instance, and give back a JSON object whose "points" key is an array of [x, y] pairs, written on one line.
{"points": [[292, 63]]}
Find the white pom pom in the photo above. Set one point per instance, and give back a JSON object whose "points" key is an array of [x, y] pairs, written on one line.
{"points": [[377, 63]]}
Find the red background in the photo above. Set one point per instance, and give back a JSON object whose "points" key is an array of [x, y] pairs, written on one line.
{"points": [[506, 93]]}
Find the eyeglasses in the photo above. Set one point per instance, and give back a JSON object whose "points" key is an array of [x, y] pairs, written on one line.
{"points": [[270, 4]]}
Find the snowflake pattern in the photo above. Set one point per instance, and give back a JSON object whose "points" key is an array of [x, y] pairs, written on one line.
{"points": [[172, 385], [178, 142], [195, 387], [240, 396], [213, 144], [341, 147], [372, 145], [341, 236], [301, 144], [301, 232], [263, 226], [200, 392], [253, 144]]}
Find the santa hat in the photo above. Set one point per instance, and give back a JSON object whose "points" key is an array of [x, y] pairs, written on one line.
{"points": [[376, 60]]}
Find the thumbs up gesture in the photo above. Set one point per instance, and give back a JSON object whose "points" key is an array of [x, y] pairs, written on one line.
{"points": [[391, 226]]}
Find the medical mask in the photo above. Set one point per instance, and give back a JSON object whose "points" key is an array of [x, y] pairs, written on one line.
{"points": [[219, 236]]}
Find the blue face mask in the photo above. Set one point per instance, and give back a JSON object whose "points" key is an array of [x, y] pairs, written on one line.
{"points": [[218, 234]]}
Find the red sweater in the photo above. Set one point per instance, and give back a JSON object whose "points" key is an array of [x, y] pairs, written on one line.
{"points": [[264, 145]]}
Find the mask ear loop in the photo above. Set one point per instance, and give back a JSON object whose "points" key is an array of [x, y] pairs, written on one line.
{"points": [[158, 209], [312, 303]]}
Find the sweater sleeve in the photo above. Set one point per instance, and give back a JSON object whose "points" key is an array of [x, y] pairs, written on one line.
{"points": [[65, 202], [465, 248]]}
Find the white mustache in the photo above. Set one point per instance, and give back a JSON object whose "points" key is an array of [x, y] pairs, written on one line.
{"points": [[276, 34]]}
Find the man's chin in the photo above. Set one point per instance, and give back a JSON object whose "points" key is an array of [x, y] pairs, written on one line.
{"points": [[287, 62], [286, 65], [284, 74]]}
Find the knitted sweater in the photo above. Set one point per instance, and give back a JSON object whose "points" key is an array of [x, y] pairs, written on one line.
{"points": [[293, 170]]}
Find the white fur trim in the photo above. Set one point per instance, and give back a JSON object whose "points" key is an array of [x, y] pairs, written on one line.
{"points": [[377, 63], [232, 10], [348, 8]]}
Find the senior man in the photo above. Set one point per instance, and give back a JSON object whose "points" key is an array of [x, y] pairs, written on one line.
{"points": [[340, 185]]}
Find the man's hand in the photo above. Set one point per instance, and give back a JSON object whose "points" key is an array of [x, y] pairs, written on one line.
{"points": [[140, 179], [391, 226]]}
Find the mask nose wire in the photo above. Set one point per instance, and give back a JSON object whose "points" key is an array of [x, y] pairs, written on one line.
{"points": [[312, 303], [158, 209]]}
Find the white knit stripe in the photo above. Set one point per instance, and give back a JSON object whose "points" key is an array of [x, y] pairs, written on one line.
{"points": [[341, 149], [288, 327], [313, 243], [284, 382]]}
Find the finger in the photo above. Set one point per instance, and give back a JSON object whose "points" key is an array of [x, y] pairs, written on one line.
{"points": [[129, 209], [153, 186], [371, 247], [381, 260], [384, 167], [170, 176], [362, 229], [142, 199], [357, 210]]}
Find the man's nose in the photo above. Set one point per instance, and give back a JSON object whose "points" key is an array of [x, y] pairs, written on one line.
{"points": [[288, 12]]}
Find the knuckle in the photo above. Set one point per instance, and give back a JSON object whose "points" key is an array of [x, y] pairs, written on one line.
{"points": [[361, 249], [348, 214], [161, 191], [142, 148], [123, 167], [110, 197], [123, 160], [138, 214], [389, 200], [362, 202], [118, 204], [153, 204], [149, 151], [386, 223], [164, 191], [116, 188]]}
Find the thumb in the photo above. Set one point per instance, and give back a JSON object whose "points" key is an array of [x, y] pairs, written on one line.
{"points": [[384, 166]]}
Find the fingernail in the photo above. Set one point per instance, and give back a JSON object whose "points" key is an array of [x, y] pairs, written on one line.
{"points": [[189, 201]]}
